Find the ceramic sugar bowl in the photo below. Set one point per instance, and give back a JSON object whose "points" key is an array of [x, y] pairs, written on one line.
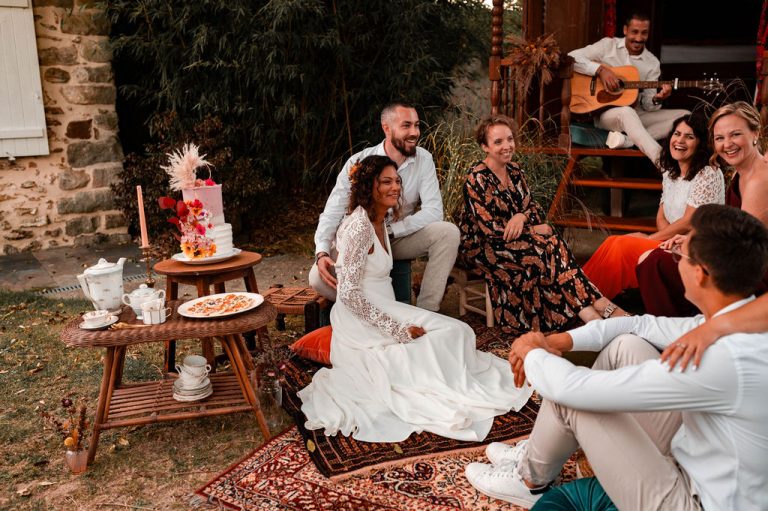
{"points": [[140, 295]]}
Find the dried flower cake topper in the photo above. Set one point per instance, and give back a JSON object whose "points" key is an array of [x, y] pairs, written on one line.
{"points": [[182, 167]]}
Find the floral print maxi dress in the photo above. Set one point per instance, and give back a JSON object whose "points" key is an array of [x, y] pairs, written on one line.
{"points": [[534, 281]]}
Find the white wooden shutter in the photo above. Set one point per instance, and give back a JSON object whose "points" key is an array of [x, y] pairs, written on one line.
{"points": [[22, 119]]}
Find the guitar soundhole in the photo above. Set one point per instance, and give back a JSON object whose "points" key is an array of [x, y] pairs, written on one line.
{"points": [[606, 96], [618, 92]]}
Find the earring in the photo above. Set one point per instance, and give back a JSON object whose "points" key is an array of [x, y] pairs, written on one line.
{"points": [[754, 142]]}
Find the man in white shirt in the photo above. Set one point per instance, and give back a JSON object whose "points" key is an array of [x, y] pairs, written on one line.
{"points": [[645, 123], [420, 230], [655, 438]]}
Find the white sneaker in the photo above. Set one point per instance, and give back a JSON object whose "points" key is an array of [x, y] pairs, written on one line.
{"points": [[616, 139], [499, 453], [501, 483]]}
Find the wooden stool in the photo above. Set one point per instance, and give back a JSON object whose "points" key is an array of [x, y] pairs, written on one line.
{"points": [[297, 300], [470, 292]]}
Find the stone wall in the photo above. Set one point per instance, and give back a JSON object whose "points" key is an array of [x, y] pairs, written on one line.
{"points": [[64, 199]]}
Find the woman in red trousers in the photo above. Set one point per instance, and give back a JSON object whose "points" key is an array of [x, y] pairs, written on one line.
{"points": [[734, 132], [687, 183]]}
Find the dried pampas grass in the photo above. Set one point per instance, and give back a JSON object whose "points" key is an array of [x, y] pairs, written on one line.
{"points": [[182, 166]]}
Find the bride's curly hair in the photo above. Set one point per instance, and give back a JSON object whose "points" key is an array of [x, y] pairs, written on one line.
{"points": [[363, 176]]}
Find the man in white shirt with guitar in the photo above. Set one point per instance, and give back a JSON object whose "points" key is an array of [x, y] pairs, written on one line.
{"points": [[641, 124]]}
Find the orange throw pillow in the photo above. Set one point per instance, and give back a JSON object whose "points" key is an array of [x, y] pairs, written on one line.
{"points": [[315, 346]]}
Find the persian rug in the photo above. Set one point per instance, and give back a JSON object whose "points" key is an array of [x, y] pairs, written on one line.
{"points": [[279, 475], [339, 456]]}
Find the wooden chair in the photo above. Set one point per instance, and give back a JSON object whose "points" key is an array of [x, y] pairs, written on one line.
{"points": [[473, 289]]}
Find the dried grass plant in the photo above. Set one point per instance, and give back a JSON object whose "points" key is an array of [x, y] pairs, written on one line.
{"points": [[454, 150], [539, 57]]}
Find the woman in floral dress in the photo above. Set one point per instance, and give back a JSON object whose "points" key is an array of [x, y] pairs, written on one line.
{"points": [[533, 279]]}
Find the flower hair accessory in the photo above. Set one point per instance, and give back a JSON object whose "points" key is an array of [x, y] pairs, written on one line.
{"points": [[353, 170]]}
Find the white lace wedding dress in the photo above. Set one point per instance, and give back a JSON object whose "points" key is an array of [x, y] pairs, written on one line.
{"points": [[383, 385]]}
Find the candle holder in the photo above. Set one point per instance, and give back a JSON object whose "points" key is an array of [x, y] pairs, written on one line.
{"points": [[150, 282]]}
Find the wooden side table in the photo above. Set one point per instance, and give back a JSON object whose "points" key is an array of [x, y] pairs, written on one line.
{"points": [[123, 405], [202, 277]]}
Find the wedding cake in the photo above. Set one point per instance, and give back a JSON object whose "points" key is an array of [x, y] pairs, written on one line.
{"points": [[219, 232], [204, 231]]}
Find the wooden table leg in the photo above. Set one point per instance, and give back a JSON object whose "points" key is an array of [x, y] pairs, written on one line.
{"points": [[169, 357], [230, 345], [249, 279], [252, 287], [120, 364], [104, 399]]}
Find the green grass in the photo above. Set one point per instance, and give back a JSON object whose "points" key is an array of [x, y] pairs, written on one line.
{"points": [[152, 467]]}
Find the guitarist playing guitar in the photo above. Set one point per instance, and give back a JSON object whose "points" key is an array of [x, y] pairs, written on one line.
{"points": [[644, 123]]}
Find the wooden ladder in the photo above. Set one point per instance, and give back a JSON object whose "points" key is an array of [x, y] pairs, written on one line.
{"points": [[571, 178]]}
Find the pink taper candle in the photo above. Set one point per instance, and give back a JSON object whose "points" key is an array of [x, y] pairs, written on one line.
{"points": [[142, 220]]}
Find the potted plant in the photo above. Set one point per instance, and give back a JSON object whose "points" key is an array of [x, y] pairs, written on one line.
{"points": [[73, 430]]}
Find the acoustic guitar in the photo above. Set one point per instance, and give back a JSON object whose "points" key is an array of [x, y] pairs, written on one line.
{"points": [[588, 93]]}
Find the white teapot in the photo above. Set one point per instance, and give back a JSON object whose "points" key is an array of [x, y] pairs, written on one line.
{"points": [[102, 284], [140, 295]]}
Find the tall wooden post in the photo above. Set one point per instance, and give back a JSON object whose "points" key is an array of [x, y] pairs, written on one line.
{"points": [[763, 106], [494, 63]]}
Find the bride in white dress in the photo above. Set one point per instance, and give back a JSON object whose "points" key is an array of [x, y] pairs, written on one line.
{"points": [[397, 369]]}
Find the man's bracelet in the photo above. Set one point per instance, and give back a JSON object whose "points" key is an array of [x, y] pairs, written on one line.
{"points": [[320, 256]]}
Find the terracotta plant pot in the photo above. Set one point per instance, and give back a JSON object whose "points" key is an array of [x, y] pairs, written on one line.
{"points": [[77, 461]]}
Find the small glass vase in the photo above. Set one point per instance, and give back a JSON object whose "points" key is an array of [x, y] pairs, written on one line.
{"points": [[77, 461], [271, 401]]}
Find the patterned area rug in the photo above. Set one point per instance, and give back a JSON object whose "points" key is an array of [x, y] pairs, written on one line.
{"points": [[339, 456], [280, 475]]}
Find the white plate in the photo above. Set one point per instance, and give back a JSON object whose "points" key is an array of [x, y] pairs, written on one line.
{"points": [[205, 260], [184, 308], [110, 321], [178, 387], [178, 397], [199, 392]]}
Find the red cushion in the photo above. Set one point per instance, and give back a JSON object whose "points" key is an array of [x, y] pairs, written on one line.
{"points": [[315, 346]]}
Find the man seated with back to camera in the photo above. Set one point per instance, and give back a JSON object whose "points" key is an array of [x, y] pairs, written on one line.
{"points": [[655, 438]]}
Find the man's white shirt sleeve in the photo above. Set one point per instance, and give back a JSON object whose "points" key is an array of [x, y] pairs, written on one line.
{"points": [[649, 386], [588, 58], [335, 209]]}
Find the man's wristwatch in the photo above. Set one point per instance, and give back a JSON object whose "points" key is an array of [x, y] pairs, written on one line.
{"points": [[320, 255]]}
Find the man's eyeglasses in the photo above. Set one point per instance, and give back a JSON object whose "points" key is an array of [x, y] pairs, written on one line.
{"points": [[677, 254]]}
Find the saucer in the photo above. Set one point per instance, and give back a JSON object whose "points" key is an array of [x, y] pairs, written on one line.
{"points": [[110, 320], [197, 397], [180, 388]]}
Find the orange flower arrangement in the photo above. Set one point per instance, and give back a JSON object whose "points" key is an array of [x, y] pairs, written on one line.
{"points": [[192, 222], [74, 428]]}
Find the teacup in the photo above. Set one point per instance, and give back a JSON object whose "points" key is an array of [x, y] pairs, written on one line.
{"points": [[194, 371], [152, 314], [95, 318], [196, 365]]}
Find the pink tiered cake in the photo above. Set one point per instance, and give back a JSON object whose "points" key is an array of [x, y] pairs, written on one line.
{"points": [[221, 232]]}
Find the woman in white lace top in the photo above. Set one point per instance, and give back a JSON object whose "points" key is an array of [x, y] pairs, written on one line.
{"points": [[687, 183], [397, 369]]}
